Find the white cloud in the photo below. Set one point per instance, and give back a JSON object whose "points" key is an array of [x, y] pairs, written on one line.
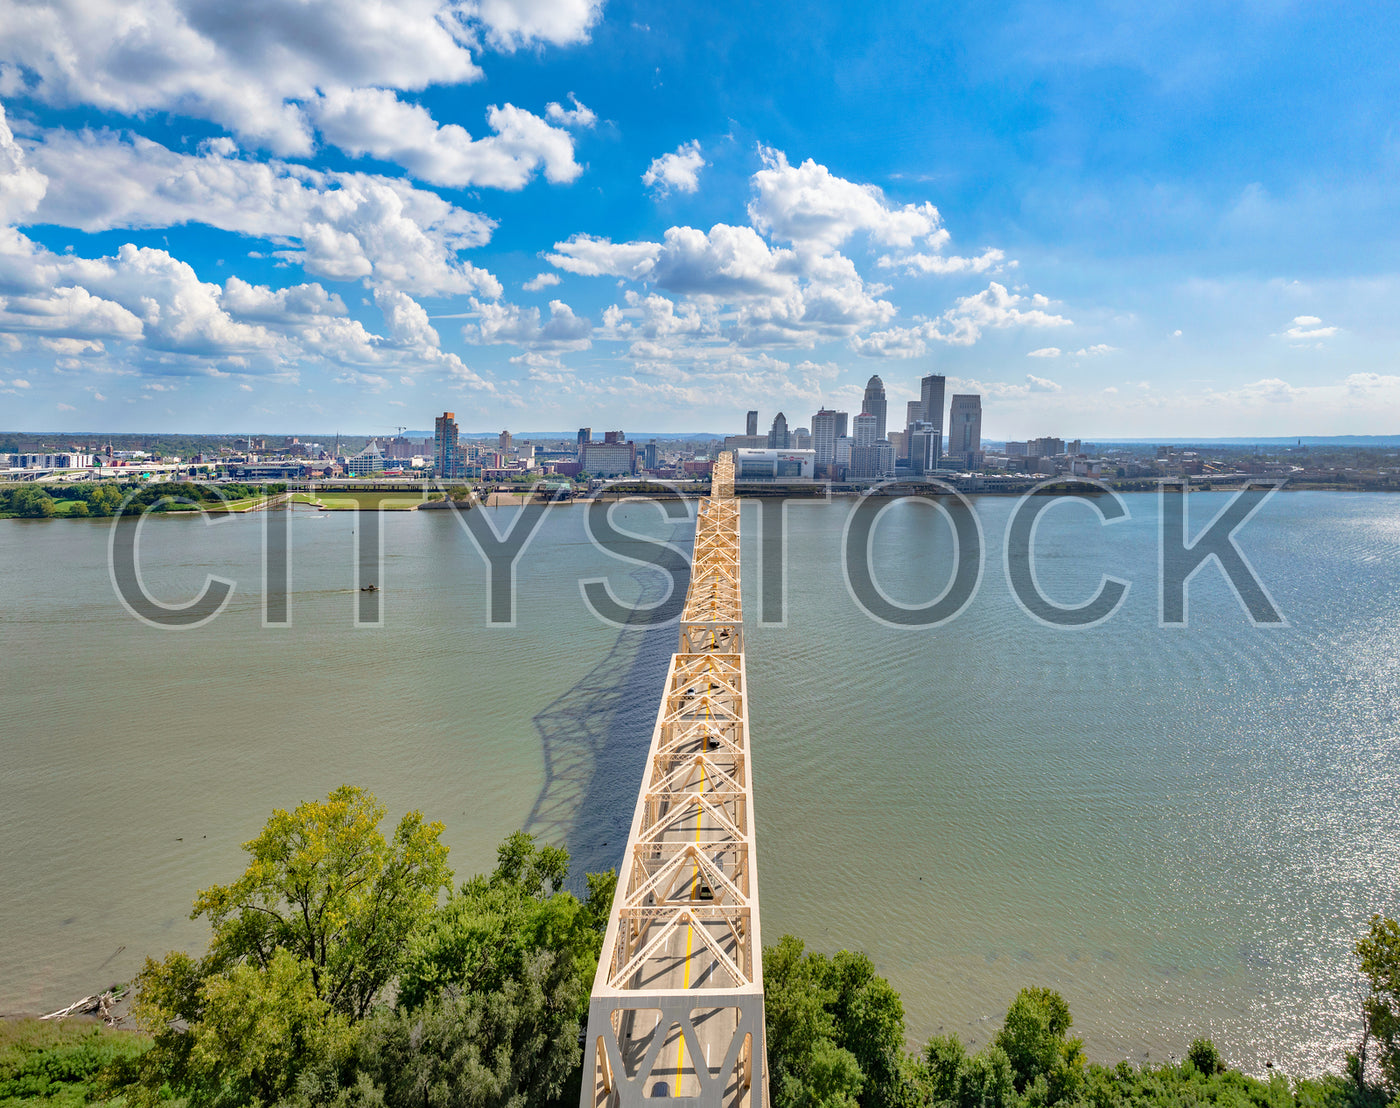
{"points": [[541, 282], [989, 261], [1308, 329], [1045, 352], [20, 383], [22, 186], [66, 408], [780, 298], [509, 323], [250, 70], [376, 122], [588, 256], [812, 208], [341, 226], [1095, 350], [963, 324], [679, 171], [577, 116]]}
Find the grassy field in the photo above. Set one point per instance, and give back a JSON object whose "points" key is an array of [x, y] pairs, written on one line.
{"points": [[337, 500], [57, 1063]]}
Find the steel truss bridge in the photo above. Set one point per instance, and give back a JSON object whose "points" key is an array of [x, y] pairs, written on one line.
{"points": [[676, 1012]]}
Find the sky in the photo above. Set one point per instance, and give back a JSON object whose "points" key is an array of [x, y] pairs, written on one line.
{"points": [[1107, 219]]}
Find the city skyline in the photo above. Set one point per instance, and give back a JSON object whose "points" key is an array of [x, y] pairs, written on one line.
{"points": [[558, 209]]}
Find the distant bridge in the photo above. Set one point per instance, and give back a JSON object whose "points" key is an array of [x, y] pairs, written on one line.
{"points": [[676, 1012]]}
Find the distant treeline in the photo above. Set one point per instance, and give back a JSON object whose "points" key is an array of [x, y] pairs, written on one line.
{"points": [[105, 498]]}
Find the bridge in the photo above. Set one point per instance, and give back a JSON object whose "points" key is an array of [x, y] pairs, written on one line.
{"points": [[676, 1012]]}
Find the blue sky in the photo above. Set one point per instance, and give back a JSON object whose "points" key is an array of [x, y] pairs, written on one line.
{"points": [[300, 215]]}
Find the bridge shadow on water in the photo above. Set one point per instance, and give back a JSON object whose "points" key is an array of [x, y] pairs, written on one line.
{"points": [[595, 738]]}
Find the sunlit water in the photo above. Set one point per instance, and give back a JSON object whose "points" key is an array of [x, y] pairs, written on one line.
{"points": [[1182, 830]]}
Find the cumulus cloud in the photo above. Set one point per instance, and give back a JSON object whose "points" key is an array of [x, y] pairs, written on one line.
{"points": [[780, 298], [1045, 352], [577, 116], [1095, 350], [540, 282], [963, 324], [376, 122], [509, 323], [679, 171], [250, 70], [341, 226], [811, 207]]}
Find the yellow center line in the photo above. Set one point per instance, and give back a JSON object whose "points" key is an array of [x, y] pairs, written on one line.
{"points": [[689, 929]]}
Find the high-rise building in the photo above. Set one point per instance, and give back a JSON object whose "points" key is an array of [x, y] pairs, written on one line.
{"points": [[778, 438], [751, 424], [1045, 447], [608, 459], [913, 413], [931, 400], [875, 405], [585, 435], [447, 459], [965, 428], [864, 428], [827, 427], [649, 455], [503, 442], [923, 455], [614, 436], [802, 439]]}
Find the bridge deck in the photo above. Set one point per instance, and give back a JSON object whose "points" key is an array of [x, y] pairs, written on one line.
{"points": [[677, 1007]]}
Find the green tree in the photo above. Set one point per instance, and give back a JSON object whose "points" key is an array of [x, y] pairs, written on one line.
{"points": [[327, 886], [1034, 1037], [1378, 954], [487, 931], [815, 1006], [514, 1047]]}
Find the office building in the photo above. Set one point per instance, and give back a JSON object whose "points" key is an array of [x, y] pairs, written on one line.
{"points": [[802, 439], [368, 460], [864, 429], [1045, 447], [608, 459], [871, 461], [844, 443], [585, 435], [965, 430], [931, 400], [614, 437], [745, 442], [503, 443], [649, 459], [447, 456], [827, 427], [875, 405], [774, 465], [778, 437], [923, 449], [751, 424]]}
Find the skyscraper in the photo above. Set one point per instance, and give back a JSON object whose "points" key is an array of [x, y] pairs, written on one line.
{"points": [[913, 413], [922, 458], [585, 436], [446, 458], [863, 429], [778, 436], [965, 428], [827, 427], [751, 424], [875, 405], [931, 398]]}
